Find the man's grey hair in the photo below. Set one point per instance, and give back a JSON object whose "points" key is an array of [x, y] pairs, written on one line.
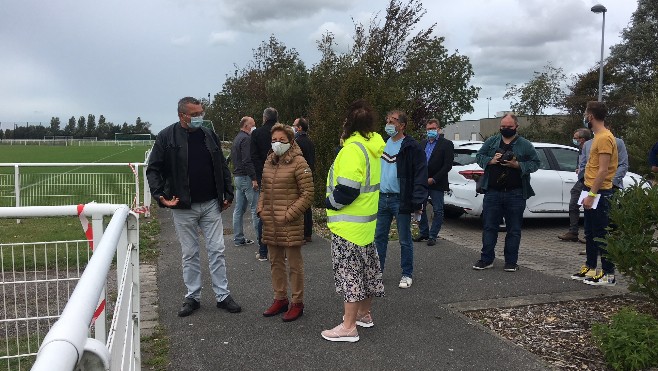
{"points": [[513, 116], [185, 101], [584, 133], [270, 115]]}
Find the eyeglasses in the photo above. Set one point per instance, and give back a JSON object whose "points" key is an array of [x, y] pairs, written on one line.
{"points": [[393, 118]]}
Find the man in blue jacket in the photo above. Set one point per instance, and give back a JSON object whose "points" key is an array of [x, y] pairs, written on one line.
{"points": [[403, 189], [507, 160], [439, 153]]}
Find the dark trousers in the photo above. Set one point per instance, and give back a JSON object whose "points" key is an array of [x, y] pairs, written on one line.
{"points": [[574, 208], [308, 222], [496, 205], [596, 222]]}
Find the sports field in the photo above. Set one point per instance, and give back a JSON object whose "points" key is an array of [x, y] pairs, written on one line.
{"points": [[74, 184], [80, 154]]}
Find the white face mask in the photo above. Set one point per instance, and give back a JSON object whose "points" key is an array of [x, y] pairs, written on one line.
{"points": [[280, 148], [196, 122], [252, 129]]}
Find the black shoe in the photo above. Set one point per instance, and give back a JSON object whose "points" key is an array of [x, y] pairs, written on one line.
{"points": [[509, 267], [481, 264], [229, 304], [245, 243], [431, 242], [189, 306], [421, 238]]}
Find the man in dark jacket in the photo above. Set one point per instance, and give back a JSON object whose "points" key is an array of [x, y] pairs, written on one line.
{"points": [[439, 153], [187, 172], [244, 177], [403, 189], [308, 152], [261, 143], [507, 160]]}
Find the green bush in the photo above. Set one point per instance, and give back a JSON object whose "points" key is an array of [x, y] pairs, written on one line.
{"points": [[630, 342], [633, 243]]}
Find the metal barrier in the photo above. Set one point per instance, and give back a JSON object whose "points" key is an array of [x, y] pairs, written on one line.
{"points": [[75, 142], [57, 187], [34, 295]]}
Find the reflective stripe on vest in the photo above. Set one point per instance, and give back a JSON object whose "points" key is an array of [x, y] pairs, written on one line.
{"points": [[367, 188], [351, 218]]}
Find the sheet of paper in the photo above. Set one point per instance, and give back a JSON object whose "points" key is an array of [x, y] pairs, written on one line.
{"points": [[583, 194]]}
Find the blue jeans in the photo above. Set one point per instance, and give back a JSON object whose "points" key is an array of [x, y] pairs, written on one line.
{"points": [[207, 217], [389, 206], [596, 222], [262, 248], [244, 195], [496, 205], [437, 222]]}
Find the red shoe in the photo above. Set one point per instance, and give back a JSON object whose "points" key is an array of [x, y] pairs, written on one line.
{"points": [[296, 311], [278, 306]]}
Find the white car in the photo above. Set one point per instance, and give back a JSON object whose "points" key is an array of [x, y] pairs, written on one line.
{"points": [[552, 182]]}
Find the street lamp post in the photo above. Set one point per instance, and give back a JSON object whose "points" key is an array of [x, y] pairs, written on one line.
{"points": [[598, 8], [488, 100]]}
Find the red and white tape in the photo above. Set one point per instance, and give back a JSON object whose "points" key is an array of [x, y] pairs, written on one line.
{"points": [[89, 233]]}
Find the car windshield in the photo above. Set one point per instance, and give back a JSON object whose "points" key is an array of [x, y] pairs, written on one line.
{"points": [[464, 157]]}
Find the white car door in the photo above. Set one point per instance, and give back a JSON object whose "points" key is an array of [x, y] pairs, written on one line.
{"points": [[567, 162], [547, 185]]}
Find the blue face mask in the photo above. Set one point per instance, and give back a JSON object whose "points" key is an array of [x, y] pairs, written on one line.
{"points": [[196, 122], [586, 123], [575, 142], [390, 130], [432, 134]]}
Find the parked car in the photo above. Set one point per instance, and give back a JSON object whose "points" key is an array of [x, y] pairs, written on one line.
{"points": [[552, 182]]}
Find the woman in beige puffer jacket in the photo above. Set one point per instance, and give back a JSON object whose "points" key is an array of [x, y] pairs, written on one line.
{"points": [[286, 193]]}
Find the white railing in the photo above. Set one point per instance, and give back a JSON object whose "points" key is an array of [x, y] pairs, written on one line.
{"points": [[67, 345], [63, 184], [75, 142]]}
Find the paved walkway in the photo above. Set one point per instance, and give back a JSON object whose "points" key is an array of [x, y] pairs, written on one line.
{"points": [[418, 328]]}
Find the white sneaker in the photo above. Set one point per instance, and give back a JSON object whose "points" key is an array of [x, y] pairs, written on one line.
{"points": [[405, 282]]}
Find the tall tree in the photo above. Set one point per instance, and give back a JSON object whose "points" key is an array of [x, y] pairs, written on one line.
{"points": [[545, 90], [91, 126], [81, 127], [54, 126], [635, 58], [69, 129]]}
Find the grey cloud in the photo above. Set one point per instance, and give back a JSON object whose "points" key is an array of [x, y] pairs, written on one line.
{"points": [[245, 13]]}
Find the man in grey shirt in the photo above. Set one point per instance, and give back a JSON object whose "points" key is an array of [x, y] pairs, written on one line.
{"points": [[244, 178]]}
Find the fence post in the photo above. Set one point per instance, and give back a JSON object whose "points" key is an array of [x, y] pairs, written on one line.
{"points": [[133, 240], [100, 330], [147, 193], [17, 188]]}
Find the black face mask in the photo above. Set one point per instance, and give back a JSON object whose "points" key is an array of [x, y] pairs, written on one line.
{"points": [[507, 132]]}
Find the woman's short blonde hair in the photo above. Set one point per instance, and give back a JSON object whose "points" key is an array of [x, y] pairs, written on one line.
{"points": [[284, 128]]}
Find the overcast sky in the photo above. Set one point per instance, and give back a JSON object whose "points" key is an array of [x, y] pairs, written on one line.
{"points": [[125, 58]]}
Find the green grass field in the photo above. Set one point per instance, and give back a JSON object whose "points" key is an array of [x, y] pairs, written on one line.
{"points": [[79, 154], [63, 185]]}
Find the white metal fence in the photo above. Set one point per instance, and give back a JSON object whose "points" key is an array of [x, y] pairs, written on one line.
{"points": [[54, 295], [75, 142], [54, 184]]}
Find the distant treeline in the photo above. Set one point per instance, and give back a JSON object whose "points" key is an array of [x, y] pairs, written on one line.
{"points": [[83, 127]]}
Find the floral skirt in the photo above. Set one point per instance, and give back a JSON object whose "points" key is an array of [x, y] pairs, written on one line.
{"points": [[356, 270]]}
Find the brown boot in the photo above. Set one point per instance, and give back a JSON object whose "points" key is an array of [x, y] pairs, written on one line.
{"points": [[278, 306], [569, 236], [296, 311]]}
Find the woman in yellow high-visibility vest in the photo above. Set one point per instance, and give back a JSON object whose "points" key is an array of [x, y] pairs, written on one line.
{"points": [[352, 199]]}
